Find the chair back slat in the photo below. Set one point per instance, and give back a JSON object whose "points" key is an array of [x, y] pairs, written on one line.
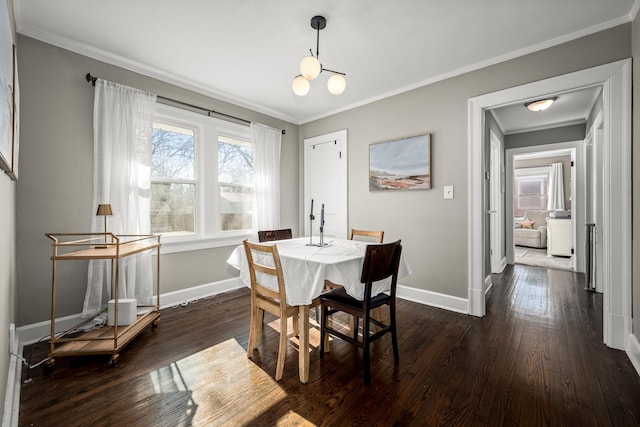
{"points": [[375, 235]]}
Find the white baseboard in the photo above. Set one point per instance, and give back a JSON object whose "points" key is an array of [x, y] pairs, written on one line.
{"points": [[30, 334], [184, 296], [618, 331], [12, 391], [633, 352], [434, 299]]}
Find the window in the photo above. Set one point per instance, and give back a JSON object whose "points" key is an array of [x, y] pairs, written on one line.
{"points": [[173, 179], [530, 189], [235, 180], [201, 180]]}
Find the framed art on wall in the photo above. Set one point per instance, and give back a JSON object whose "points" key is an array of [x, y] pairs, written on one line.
{"points": [[15, 143], [6, 89], [400, 164]]}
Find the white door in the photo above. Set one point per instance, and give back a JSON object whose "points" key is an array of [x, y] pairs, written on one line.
{"points": [[495, 205], [325, 182]]}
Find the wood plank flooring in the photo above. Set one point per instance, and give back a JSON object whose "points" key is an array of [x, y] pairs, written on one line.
{"points": [[536, 359]]}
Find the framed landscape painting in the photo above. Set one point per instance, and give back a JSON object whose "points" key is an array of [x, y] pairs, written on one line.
{"points": [[6, 89], [400, 164]]}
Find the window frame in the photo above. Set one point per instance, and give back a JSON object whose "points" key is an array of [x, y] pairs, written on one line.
{"points": [[531, 174], [207, 233]]}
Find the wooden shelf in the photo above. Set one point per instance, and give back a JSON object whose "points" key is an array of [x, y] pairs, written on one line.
{"points": [[101, 340]]}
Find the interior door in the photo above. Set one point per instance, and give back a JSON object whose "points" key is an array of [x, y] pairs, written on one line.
{"points": [[325, 182], [495, 205]]}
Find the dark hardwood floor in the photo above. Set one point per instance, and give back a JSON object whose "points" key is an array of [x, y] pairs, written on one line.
{"points": [[536, 359]]}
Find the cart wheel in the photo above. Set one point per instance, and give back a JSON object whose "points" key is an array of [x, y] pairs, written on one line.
{"points": [[50, 362], [155, 322], [113, 360]]}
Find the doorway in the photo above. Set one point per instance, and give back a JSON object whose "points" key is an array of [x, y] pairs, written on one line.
{"points": [[529, 178], [615, 79]]}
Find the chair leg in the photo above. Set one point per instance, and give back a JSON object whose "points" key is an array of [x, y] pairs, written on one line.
{"points": [[394, 334], [255, 329], [366, 355], [282, 349], [323, 332], [296, 324], [354, 320]]}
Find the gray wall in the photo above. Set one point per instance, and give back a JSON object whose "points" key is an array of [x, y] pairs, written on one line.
{"points": [[434, 230], [55, 189], [635, 166], [547, 136]]}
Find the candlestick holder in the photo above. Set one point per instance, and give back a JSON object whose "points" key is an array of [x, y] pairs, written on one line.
{"points": [[311, 218]]}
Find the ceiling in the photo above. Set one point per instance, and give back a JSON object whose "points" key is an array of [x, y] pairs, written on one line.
{"points": [[567, 109], [247, 52]]}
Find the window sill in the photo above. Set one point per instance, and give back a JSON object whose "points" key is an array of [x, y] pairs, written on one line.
{"points": [[186, 244]]}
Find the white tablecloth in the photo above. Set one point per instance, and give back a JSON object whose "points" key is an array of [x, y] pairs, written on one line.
{"points": [[305, 268]]}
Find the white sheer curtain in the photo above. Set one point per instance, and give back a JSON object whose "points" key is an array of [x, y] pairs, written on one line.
{"points": [[122, 135], [266, 165], [555, 191]]}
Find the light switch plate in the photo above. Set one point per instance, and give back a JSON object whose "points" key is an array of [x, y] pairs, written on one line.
{"points": [[448, 191]]}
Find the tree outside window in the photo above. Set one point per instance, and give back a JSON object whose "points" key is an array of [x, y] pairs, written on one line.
{"points": [[173, 176], [235, 182]]}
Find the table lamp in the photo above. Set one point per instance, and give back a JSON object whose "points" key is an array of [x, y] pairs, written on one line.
{"points": [[104, 210]]}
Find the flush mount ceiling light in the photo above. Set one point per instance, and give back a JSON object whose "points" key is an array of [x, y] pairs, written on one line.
{"points": [[310, 67], [540, 104]]}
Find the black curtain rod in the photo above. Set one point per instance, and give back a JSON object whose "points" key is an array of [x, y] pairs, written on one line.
{"points": [[92, 79]]}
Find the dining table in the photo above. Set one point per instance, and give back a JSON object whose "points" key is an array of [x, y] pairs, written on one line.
{"points": [[305, 266]]}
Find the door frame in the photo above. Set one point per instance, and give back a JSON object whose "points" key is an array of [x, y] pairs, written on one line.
{"points": [[615, 79]]}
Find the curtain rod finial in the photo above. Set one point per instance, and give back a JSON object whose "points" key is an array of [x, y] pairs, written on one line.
{"points": [[91, 79]]}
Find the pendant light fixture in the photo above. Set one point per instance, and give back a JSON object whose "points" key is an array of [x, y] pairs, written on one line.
{"points": [[310, 67]]}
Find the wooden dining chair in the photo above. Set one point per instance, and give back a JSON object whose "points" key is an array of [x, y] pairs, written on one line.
{"points": [[354, 234], [264, 263], [381, 261], [379, 235], [271, 235]]}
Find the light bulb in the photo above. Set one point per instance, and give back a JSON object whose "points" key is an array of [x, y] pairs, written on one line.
{"points": [[336, 84], [300, 86], [310, 67]]}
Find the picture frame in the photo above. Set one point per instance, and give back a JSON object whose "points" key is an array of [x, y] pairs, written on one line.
{"points": [[6, 89], [15, 144], [400, 164]]}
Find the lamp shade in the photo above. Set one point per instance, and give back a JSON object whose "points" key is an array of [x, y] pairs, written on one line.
{"points": [[540, 105], [104, 210], [310, 67], [300, 86], [337, 84]]}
